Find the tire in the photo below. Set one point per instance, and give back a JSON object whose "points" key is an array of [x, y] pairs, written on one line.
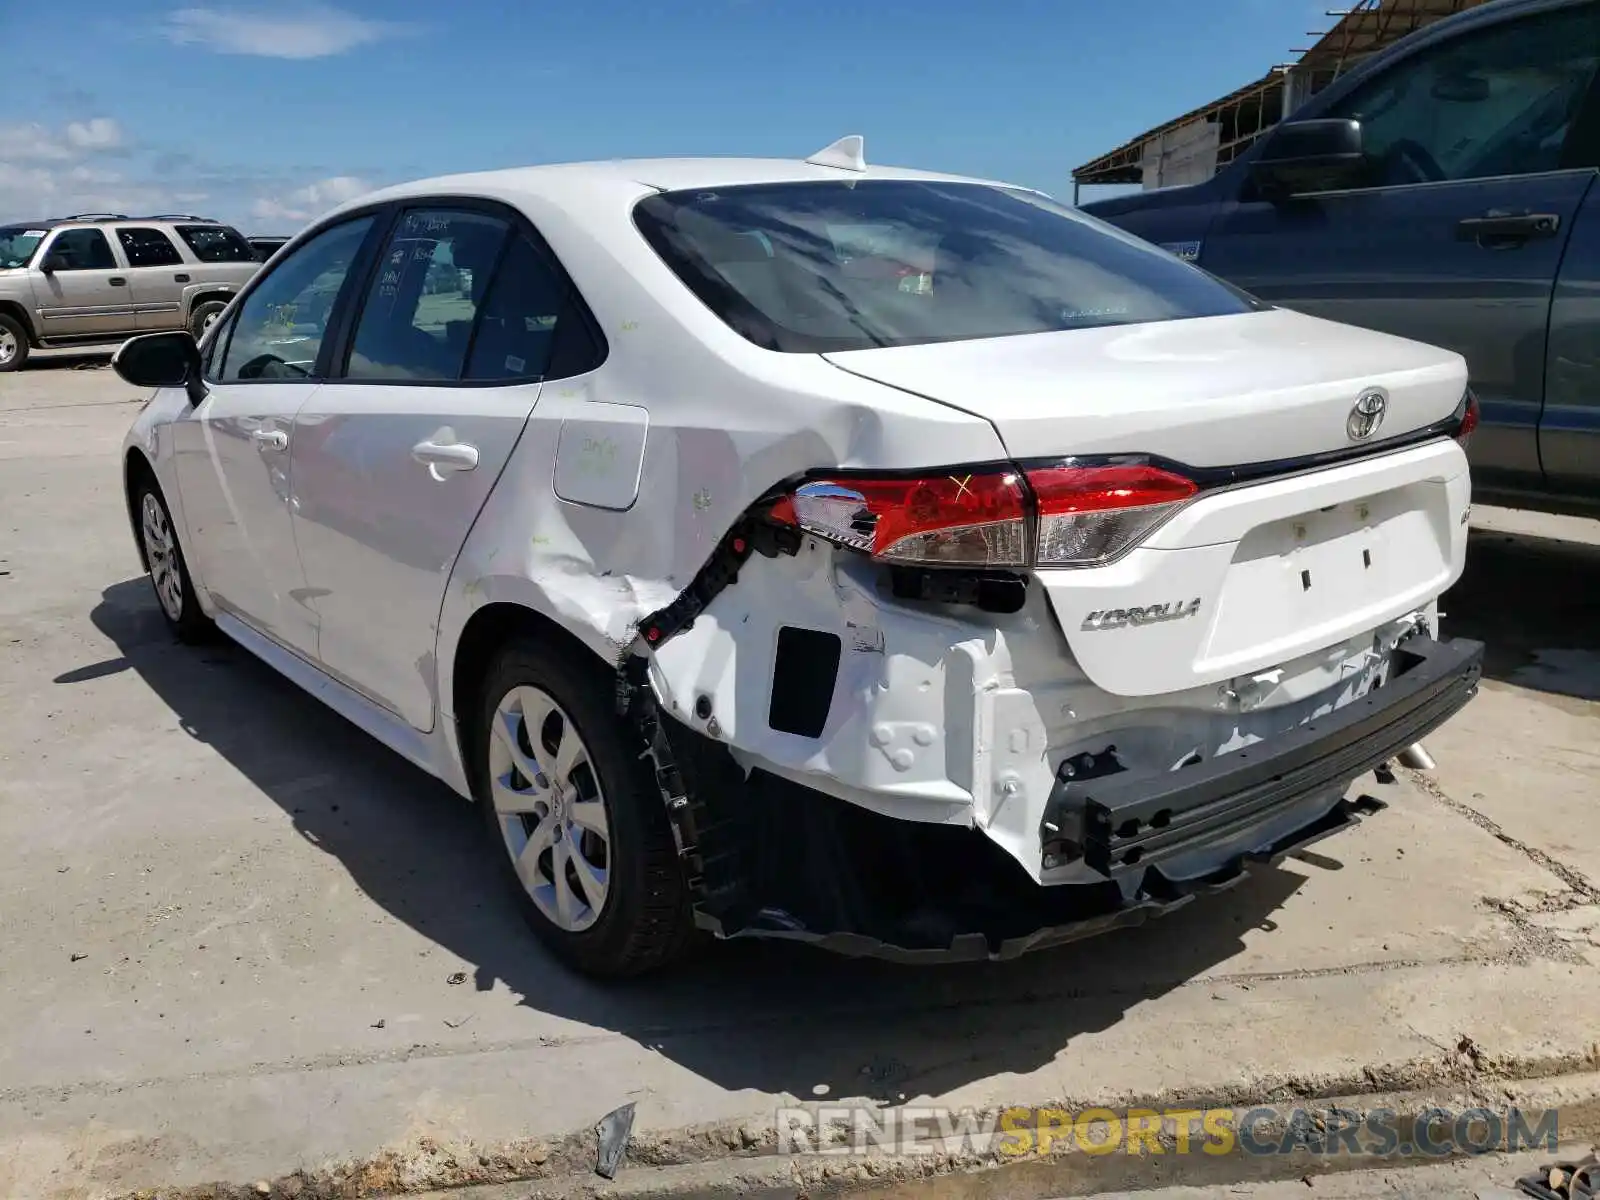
{"points": [[169, 571], [642, 921], [204, 314], [13, 344]]}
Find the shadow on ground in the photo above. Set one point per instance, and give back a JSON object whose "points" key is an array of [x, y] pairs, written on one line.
{"points": [[778, 1018], [1535, 603], [68, 360]]}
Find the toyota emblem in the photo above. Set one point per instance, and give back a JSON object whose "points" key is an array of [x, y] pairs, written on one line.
{"points": [[1367, 414]]}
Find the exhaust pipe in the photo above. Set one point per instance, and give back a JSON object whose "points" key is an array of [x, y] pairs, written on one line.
{"points": [[1416, 758]]}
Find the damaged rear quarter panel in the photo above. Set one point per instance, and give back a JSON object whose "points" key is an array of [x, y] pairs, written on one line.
{"points": [[727, 421]]}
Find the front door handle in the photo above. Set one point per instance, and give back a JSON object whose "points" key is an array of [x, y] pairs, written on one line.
{"points": [[442, 456], [1503, 227], [117, 281], [272, 439]]}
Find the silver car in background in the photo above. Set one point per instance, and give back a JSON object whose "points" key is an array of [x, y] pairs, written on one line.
{"points": [[97, 277]]}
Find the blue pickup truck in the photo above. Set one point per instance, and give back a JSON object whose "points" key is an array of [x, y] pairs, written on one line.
{"points": [[1444, 190]]}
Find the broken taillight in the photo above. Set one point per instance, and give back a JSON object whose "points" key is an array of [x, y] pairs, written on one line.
{"points": [[1070, 514], [966, 519], [1091, 514], [1469, 418]]}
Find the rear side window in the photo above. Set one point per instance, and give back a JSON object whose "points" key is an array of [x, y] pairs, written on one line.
{"points": [[419, 313], [531, 324], [216, 243], [148, 248], [80, 250], [818, 267]]}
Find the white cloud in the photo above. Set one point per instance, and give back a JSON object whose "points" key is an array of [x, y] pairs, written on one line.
{"points": [[310, 201], [32, 143], [93, 165], [314, 31], [46, 171], [35, 192], [98, 133]]}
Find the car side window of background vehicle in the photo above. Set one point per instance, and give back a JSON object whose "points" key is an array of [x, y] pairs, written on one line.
{"points": [[216, 243], [80, 250], [281, 323], [148, 248], [1503, 102]]}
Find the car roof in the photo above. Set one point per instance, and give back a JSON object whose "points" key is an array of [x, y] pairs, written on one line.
{"points": [[572, 185], [108, 219]]}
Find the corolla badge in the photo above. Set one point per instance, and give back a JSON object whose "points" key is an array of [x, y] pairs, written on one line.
{"points": [[1367, 414], [1149, 614]]}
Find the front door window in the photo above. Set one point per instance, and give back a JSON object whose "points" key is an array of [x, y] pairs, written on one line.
{"points": [[1500, 102], [282, 322]]}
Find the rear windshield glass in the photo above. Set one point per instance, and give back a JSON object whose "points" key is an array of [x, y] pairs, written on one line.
{"points": [[818, 267]]}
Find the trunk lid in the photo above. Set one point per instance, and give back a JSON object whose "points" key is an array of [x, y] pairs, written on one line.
{"points": [[1207, 392]]}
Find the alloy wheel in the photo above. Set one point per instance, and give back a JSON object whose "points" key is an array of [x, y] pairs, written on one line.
{"points": [[161, 548], [8, 346], [550, 809]]}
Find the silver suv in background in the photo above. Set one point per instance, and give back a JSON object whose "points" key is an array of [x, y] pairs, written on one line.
{"points": [[103, 277]]}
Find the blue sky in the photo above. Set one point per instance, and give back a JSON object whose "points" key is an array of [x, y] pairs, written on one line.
{"points": [[265, 115]]}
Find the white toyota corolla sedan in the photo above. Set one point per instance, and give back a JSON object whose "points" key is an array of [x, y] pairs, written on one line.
{"points": [[899, 562]]}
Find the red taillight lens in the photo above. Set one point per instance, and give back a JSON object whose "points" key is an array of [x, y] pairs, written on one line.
{"points": [[973, 519], [1090, 514], [1057, 516], [1469, 419]]}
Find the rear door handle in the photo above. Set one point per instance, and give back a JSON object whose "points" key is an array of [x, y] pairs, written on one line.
{"points": [[1504, 227], [117, 281], [180, 278], [440, 457], [272, 439]]}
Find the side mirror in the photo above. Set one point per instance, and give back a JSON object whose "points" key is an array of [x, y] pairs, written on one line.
{"points": [[155, 360], [1309, 156], [52, 263]]}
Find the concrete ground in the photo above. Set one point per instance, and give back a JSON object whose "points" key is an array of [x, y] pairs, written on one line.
{"points": [[238, 939]]}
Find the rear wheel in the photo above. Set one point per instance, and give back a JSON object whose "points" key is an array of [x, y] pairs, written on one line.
{"points": [[13, 344], [169, 573], [575, 817]]}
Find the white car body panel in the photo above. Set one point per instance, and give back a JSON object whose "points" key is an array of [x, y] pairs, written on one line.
{"points": [[1282, 568], [1212, 391], [234, 474], [378, 526], [597, 570], [606, 493]]}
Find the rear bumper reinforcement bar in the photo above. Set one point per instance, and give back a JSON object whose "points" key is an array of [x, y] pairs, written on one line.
{"points": [[1125, 824]]}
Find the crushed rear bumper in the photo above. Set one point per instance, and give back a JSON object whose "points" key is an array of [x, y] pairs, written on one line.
{"points": [[1123, 825], [778, 864]]}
